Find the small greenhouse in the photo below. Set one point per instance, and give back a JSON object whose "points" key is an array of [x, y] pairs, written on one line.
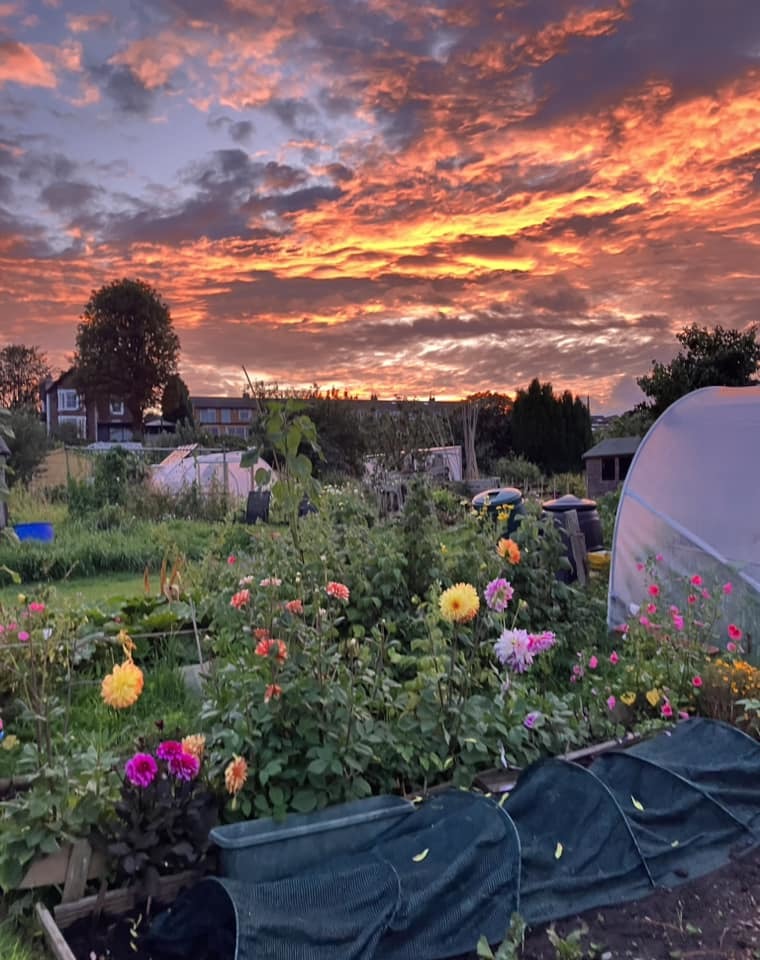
{"points": [[219, 471], [692, 499]]}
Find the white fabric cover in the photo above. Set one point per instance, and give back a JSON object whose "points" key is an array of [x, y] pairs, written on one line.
{"points": [[209, 471], [692, 494]]}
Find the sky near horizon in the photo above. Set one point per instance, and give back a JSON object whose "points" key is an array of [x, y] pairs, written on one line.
{"points": [[415, 197]]}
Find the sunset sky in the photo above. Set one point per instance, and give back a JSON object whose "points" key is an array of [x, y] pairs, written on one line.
{"points": [[417, 197]]}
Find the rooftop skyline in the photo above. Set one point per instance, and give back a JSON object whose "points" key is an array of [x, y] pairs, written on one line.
{"points": [[387, 196]]}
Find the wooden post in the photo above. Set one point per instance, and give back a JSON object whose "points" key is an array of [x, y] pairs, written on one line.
{"points": [[577, 546], [77, 870]]}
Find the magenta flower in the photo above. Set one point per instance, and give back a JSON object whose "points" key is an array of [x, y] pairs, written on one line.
{"points": [[696, 580], [678, 621], [169, 749], [530, 719], [23, 636], [728, 588], [540, 642], [659, 558], [36, 607], [654, 590], [666, 710], [498, 593], [639, 565], [731, 646], [614, 658], [692, 598], [141, 770], [184, 766], [683, 715], [611, 703], [644, 621], [696, 681], [734, 632], [593, 663], [651, 608], [231, 560]]}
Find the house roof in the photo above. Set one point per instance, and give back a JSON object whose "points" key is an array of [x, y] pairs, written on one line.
{"points": [[217, 402], [614, 447]]}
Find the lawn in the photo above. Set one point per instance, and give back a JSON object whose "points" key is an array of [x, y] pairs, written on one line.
{"points": [[89, 589]]}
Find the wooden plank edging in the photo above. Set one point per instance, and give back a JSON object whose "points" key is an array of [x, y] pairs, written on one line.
{"points": [[53, 936]]}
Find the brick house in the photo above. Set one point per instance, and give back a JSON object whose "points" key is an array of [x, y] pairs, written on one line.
{"points": [[102, 420], [607, 464], [224, 416]]}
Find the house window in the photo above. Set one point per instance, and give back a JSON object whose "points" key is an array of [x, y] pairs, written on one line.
{"points": [[79, 422], [236, 431], [608, 469], [244, 414], [116, 408], [207, 415], [226, 415], [68, 400]]}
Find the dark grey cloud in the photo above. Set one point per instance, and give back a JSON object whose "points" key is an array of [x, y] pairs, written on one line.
{"points": [[127, 91], [241, 131], [67, 196], [297, 114], [6, 187]]}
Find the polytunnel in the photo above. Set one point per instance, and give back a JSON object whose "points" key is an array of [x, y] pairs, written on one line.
{"points": [[692, 498]]}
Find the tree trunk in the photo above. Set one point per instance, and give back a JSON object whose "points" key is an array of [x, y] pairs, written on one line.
{"points": [[470, 413]]}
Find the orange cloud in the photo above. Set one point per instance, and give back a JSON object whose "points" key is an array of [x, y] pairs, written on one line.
{"points": [[20, 64]]}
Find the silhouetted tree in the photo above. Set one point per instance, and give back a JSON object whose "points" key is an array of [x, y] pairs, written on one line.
{"points": [[550, 431], [126, 346], [175, 402], [22, 370], [709, 358]]}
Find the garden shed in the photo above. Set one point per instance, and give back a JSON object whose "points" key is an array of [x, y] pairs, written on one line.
{"points": [[607, 464], [691, 499]]}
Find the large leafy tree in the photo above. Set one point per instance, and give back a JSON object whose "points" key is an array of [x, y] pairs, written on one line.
{"points": [[126, 346], [22, 370], [708, 358], [28, 444]]}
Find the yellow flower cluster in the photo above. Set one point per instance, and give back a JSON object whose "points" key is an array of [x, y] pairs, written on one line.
{"points": [[122, 687], [742, 679]]}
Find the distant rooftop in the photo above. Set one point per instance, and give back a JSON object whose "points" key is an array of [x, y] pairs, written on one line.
{"points": [[614, 447]]}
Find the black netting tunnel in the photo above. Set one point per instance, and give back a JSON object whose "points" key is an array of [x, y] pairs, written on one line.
{"points": [[427, 882]]}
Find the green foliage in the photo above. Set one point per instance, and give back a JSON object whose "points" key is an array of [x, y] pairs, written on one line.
{"points": [[518, 472], [82, 551], [114, 474], [28, 445], [421, 537], [717, 357], [512, 944], [607, 505], [283, 431], [493, 437], [569, 947], [551, 431], [343, 440], [67, 798], [175, 401], [563, 483], [126, 346], [22, 370], [632, 423]]}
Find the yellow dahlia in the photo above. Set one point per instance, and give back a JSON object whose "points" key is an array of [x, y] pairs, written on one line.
{"points": [[123, 685], [628, 698], [235, 775], [459, 603], [508, 550], [195, 744]]}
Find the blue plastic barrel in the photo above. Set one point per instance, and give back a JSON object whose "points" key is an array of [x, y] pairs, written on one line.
{"points": [[43, 532], [264, 850]]}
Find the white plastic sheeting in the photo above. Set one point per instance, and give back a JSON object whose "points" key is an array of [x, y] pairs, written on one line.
{"points": [[692, 494], [209, 471]]}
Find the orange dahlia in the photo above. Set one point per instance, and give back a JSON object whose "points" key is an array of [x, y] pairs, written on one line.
{"points": [[195, 744], [235, 775], [508, 550]]}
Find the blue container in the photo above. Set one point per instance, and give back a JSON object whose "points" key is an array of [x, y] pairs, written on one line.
{"points": [[263, 850], [35, 531], [499, 497]]}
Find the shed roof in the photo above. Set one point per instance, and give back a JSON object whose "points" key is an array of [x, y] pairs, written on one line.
{"points": [[614, 447]]}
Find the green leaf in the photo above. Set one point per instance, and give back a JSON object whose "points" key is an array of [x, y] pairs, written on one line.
{"points": [[419, 857], [637, 803], [304, 801], [484, 950]]}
